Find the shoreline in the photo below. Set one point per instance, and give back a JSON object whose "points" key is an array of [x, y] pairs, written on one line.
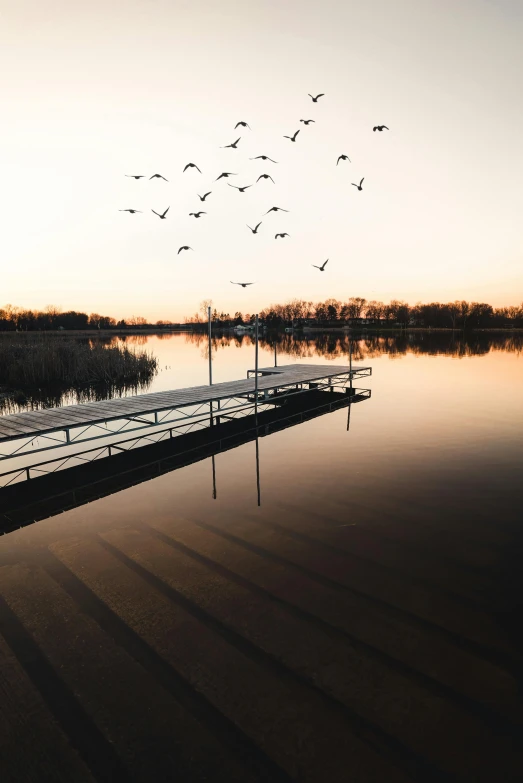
{"points": [[297, 331]]}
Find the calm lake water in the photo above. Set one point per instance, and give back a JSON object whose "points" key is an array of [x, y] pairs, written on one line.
{"points": [[396, 538], [443, 431]]}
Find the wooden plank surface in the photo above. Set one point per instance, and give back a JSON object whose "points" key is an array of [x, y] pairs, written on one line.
{"points": [[33, 423]]}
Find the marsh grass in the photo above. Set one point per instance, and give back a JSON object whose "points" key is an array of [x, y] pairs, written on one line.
{"points": [[40, 370]]}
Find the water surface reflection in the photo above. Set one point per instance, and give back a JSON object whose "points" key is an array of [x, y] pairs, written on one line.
{"points": [[332, 345], [366, 617]]}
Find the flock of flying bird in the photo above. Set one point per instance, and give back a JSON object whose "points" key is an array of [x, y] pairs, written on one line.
{"points": [[227, 174]]}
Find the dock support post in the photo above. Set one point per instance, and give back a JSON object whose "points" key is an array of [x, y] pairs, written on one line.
{"points": [[213, 463], [256, 407], [210, 362], [256, 367], [210, 359], [210, 346]]}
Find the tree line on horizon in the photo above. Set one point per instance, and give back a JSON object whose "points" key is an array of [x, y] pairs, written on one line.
{"points": [[331, 312], [20, 319]]}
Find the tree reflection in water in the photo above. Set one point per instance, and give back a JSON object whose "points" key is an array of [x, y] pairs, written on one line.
{"points": [[336, 345], [297, 346]]}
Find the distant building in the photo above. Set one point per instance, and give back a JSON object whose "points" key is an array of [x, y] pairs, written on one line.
{"points": [[361, 321]]}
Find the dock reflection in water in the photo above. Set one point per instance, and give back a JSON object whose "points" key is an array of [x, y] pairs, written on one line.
{"points": [[41, 497]]}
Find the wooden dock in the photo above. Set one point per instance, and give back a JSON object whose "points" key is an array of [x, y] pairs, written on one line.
{"points": [[59, 427], [63, 484]]}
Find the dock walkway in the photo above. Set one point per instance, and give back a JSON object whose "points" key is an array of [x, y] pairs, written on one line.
{"points": [[71, 423]]}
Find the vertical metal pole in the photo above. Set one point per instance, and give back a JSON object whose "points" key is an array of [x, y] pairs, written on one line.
{"points": [[210, 347], [256, 368], [275, 355], [256, 404], [256, 407], [210, 359]]}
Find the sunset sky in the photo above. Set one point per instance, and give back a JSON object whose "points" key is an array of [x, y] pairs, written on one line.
{"points": [[94, 91]]}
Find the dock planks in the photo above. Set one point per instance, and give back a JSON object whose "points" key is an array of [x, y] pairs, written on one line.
{"points": [[34, 423]]}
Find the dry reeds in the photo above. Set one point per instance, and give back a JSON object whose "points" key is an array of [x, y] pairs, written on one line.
{"points": [[30, 362]]}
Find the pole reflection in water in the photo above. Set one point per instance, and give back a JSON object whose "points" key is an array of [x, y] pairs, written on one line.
{"points": [[58, 491], [213, 477], [258, 467]]}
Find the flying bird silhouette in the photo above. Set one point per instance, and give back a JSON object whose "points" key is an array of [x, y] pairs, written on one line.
{"points": [[158, 176], [358, 186], [132, 211], [197, 214], [233, 145], [307, 122], [322, 267], [281, 236], [202, 198], [243, 285], [243, 124], [183, 247], [292, 138], [265, 176], [263, 157], [191, 166], [343, 157], [315, 99], [136, 176], [162, 216], [242, 189], [380, 128], [255, 229], [276, 209], [225, 174]]}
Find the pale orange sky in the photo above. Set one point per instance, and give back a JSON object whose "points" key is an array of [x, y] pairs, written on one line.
{"points": [[95, 91]]}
